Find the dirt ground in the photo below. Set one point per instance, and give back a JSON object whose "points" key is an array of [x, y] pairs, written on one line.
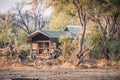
{"points": [[50, 70], [8, 73]]}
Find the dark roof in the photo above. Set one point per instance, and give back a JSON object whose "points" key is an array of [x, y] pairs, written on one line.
{"points": [[72, 28], [52, 34]]}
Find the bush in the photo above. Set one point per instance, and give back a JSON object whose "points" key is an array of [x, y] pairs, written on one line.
{"points": [[65, 46], [96, 43], [24, 51], [114, 46], [1, 44]]}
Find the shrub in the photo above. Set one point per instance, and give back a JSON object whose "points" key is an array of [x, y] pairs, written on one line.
{"points": [[95, 43], [114, 46], [6, 36], [24, 51], [65, 46]]}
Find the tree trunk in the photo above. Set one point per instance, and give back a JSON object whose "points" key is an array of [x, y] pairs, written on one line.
{"points": [[81, 37], [83, 22], [81, 51]]}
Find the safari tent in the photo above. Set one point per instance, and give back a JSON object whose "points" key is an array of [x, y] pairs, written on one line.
{"points": [[47, 39]]}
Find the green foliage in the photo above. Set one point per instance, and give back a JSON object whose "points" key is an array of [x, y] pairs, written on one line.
{"points": [[24, 53], [64, 14], [65, 46], [65, 6], [19, 34], [75, 48], [6, 36], [114, 46], [95, 42], [10, 33], [60, 20], [24, 50]]}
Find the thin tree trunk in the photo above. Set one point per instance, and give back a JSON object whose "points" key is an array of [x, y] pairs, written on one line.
{"points": [[80, 53], [82, 35], [83, 22]]}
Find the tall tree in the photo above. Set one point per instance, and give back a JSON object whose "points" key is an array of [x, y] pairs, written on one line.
{"points": [[78, 8], [28, 21], [105, 13]]}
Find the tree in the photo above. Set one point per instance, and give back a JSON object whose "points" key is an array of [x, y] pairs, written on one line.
{"points": [[6, 35], [106, 14], [38, 4], [58, 21], [28, 21]]}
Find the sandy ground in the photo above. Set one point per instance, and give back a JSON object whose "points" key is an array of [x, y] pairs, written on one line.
{"points": [[50, 70], [8, 73]]}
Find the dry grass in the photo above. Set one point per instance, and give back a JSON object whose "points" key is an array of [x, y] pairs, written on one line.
{"points": [[101, 63], [59, 63], [56, 69]]}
